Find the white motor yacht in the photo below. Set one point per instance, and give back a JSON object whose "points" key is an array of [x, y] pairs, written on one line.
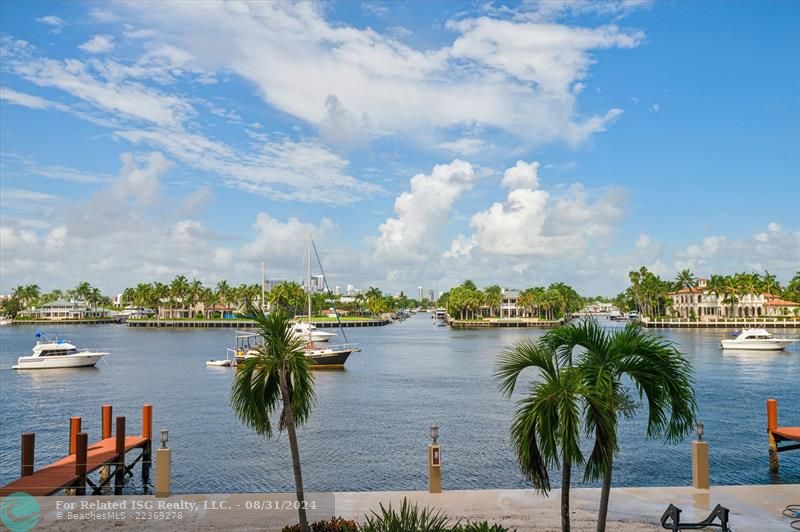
{"points": [[309, 331], [51, 354], [757, 340]]}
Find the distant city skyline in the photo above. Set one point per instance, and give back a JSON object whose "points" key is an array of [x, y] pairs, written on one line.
{"points": [[516, 143]]}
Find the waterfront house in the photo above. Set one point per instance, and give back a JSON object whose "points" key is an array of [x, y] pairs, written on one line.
{"points": [[701, 304], [65, 310]]}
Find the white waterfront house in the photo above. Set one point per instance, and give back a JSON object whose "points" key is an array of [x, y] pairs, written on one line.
{"points": [[65, 310], [700, 303]]}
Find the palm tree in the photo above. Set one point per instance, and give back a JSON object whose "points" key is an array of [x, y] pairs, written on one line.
{"points": [[716, 286], [82, 290], [731, 291], [195, 292], [546, 428], [685, 279], [277, 378], [770, 284], [494, 297], [659, 372]]}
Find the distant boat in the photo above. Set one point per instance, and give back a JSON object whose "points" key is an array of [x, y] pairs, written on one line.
{"points": [[52, 354], [757, 340]]}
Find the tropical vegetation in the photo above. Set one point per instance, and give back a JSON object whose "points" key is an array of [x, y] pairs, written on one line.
{"points": [[409, 518], [581, 392], [466, 301], [649, 294]]}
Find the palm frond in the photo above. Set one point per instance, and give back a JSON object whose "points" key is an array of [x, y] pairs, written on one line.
{"points": [[515, 359]]}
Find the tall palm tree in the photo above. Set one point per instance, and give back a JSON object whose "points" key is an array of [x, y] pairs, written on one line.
{"points": [[731, 291], [659, 372], [716, 286], [546, 428], [278, 378], [770, 284], [494, 297]]}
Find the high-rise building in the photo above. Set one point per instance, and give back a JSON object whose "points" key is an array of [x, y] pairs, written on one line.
{"points": [[317, 283], [431, 295], [420, 294], [337, 290], [349, 291]]}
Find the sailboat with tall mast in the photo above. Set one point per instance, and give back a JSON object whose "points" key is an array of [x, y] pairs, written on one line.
{"points": [[333, 356]]}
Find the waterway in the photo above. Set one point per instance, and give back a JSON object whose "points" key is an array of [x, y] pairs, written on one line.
{"points": [[370, 427]]}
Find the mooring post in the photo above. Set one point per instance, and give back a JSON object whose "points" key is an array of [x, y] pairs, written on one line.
{"points": [[147, 433], [105, 416], [119, 472], [81, 455], [772, 424], [74, 429], [27, 458]]}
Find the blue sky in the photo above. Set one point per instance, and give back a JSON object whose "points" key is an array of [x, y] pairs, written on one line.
{"points": [[421, 143]]}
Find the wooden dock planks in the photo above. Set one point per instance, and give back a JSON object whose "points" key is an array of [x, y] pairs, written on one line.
{"points": [[61, 473]]}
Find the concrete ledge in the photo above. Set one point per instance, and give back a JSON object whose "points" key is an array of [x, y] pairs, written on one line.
{"points": [[753, 508]]}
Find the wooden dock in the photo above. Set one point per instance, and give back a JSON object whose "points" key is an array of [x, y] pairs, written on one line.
{"points": [[246, 324], [72, 471]]}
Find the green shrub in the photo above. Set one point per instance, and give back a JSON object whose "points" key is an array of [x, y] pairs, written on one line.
{"points": [[410, 519], [335, 524]]}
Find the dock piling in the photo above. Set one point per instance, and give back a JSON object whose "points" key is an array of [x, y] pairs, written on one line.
{"points": [[106, 417], [772, 424], [74, 429], [147, 432], [27, 458], [81, 455], [119, 471], [105, 413]]}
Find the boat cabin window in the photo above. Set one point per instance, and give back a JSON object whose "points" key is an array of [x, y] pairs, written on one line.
{"points": [[57, 352]]}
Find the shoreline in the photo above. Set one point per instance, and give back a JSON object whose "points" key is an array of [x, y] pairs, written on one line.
{"points": [[752, 508]]}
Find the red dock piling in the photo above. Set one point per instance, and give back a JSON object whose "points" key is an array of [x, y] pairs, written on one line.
{"points": [[772, 414], [119, 472], [106, 413], [81, 455], [74, 429], [27, 459], [147, 421]]}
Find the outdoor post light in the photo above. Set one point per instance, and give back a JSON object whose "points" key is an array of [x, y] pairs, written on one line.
{"points": [[164, 438], [700, 431], [434, 432]]}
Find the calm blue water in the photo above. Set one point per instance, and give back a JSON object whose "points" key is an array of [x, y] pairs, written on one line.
{"points": [[370, 427]]}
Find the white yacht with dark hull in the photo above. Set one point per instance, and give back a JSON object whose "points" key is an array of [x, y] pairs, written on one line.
{"points": [[757, 340], [52, 354]]}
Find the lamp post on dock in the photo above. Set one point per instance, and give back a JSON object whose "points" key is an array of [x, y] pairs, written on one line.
{"points": [[163, 466], [434, 462], [700, 459]]}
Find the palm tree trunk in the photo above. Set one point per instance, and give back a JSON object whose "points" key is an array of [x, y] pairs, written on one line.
{"points": [[604, 493], [566, 472], [290, 429]]}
